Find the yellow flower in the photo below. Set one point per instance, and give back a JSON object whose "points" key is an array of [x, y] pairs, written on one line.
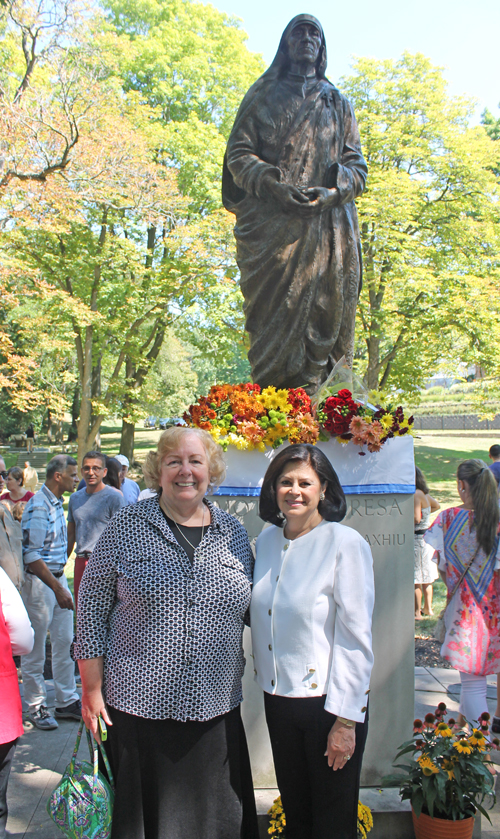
{"points": [[443, 730], [386, 421], [275, 433], [463, 747], [365, 815], [342, 441], [427, 765], [448, 768], [477, 739], [277, 399]]}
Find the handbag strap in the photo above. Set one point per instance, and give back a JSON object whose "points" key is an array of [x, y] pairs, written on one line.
{"points": [[460, 579], [94, 748], [77, 746]]}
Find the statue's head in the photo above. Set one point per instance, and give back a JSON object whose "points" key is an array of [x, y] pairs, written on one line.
{"points": [[302, 41]]}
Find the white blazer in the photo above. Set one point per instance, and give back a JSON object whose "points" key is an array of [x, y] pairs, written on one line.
{"points": [[311, 616]]}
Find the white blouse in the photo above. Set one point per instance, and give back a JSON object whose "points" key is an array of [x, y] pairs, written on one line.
{"points": [[311, 616]]}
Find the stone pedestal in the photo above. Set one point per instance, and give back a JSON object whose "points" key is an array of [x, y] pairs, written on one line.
{"points": [[385, 520]]}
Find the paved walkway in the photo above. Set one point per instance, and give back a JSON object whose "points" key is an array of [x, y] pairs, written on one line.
{"points": [[41, 757]]}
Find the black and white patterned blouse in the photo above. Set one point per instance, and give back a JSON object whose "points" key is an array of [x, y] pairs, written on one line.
{"points": [[170, 631]]}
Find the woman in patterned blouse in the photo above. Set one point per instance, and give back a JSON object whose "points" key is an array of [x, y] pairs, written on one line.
{"points": [[466, 539], [161, 611]]}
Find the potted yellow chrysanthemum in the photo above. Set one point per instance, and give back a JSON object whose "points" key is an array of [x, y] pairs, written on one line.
{"points": [[448, 777], [277, 820]]}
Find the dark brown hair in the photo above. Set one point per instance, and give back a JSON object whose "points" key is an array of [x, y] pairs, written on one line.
{"points": [[333, 508], [114, 467], [95, 456], [420, 481], [16, 473], [484, 491]]}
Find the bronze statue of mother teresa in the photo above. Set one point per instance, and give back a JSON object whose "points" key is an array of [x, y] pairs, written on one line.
{"points": [[292, 170]]}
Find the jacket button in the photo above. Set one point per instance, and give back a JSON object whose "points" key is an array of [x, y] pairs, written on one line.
{"points": [[277, 578], [363, 709], [270, 646], [314, 685], [272, 682], [285, 547], [312, 670], [270, 612]]}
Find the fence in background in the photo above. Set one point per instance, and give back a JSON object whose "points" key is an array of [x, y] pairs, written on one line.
{"points": [[456, 422]]}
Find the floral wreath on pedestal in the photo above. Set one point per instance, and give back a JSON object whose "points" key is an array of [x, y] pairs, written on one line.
{"points": [[249, 417]]}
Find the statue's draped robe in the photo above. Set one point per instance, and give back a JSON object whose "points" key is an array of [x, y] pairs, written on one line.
{"points": [[300, 277]]}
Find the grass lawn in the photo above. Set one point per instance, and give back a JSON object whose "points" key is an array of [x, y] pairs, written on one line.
{"points": [[438, 455]]}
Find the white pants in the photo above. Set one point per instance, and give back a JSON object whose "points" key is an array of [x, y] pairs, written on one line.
{"points": [[473, 701], [47, 616]]}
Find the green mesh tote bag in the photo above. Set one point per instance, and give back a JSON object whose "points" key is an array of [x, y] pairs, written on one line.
{"points": [[82, 803]]}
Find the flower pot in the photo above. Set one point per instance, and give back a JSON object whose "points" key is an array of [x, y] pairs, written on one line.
{"points": [[426, 827]]}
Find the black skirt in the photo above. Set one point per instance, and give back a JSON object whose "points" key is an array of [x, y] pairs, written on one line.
{"points": [[181, 779]]}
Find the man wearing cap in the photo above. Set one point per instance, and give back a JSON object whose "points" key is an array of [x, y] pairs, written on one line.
{"points": [[129, 488], [89, 511]]}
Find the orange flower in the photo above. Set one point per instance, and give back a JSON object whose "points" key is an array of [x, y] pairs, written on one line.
{"points": [[251, 431], [304, 430]]}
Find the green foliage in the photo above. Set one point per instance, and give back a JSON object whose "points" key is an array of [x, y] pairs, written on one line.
{"points": [[105, 257], [460, 398], [491, 124], [429, 225], [12, 421], [190, 63], [173, 378]]}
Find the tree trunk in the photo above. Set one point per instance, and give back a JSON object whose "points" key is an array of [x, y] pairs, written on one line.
{"points": [[127, 440], [49, 427], [87, 430], [86, 399], [75, 410], [59, 431], [373, 367]]}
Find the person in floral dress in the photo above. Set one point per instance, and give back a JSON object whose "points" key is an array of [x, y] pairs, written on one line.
{"points": [[459, 535]]}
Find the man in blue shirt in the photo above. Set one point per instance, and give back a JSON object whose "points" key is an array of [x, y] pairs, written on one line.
{"points": [[47, 597], [494, 454], [129, 488]]}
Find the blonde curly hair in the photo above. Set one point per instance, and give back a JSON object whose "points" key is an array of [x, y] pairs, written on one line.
{"points": [[168, 441]]}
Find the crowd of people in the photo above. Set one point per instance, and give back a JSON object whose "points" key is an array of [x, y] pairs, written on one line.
{"points": [[164, 584]]}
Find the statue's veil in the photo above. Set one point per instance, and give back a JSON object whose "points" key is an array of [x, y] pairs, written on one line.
{"points": [[280, 62]]}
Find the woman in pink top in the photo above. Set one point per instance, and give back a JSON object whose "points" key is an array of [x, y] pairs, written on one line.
{"points": [[15, 489], [16, 638]]}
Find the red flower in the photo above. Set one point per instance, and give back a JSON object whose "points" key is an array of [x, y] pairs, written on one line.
{"points": [[299, 400]]}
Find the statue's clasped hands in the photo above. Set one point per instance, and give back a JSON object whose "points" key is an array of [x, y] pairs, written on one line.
{"points": [[303, 202]]}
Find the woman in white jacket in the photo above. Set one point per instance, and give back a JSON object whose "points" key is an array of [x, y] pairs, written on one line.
{"points": [[311, 616]]}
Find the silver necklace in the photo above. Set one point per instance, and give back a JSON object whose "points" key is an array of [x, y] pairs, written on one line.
{"points": [[183, 534]]}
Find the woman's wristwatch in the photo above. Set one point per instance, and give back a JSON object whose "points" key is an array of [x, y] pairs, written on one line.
{"points": [[347, 723]]}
